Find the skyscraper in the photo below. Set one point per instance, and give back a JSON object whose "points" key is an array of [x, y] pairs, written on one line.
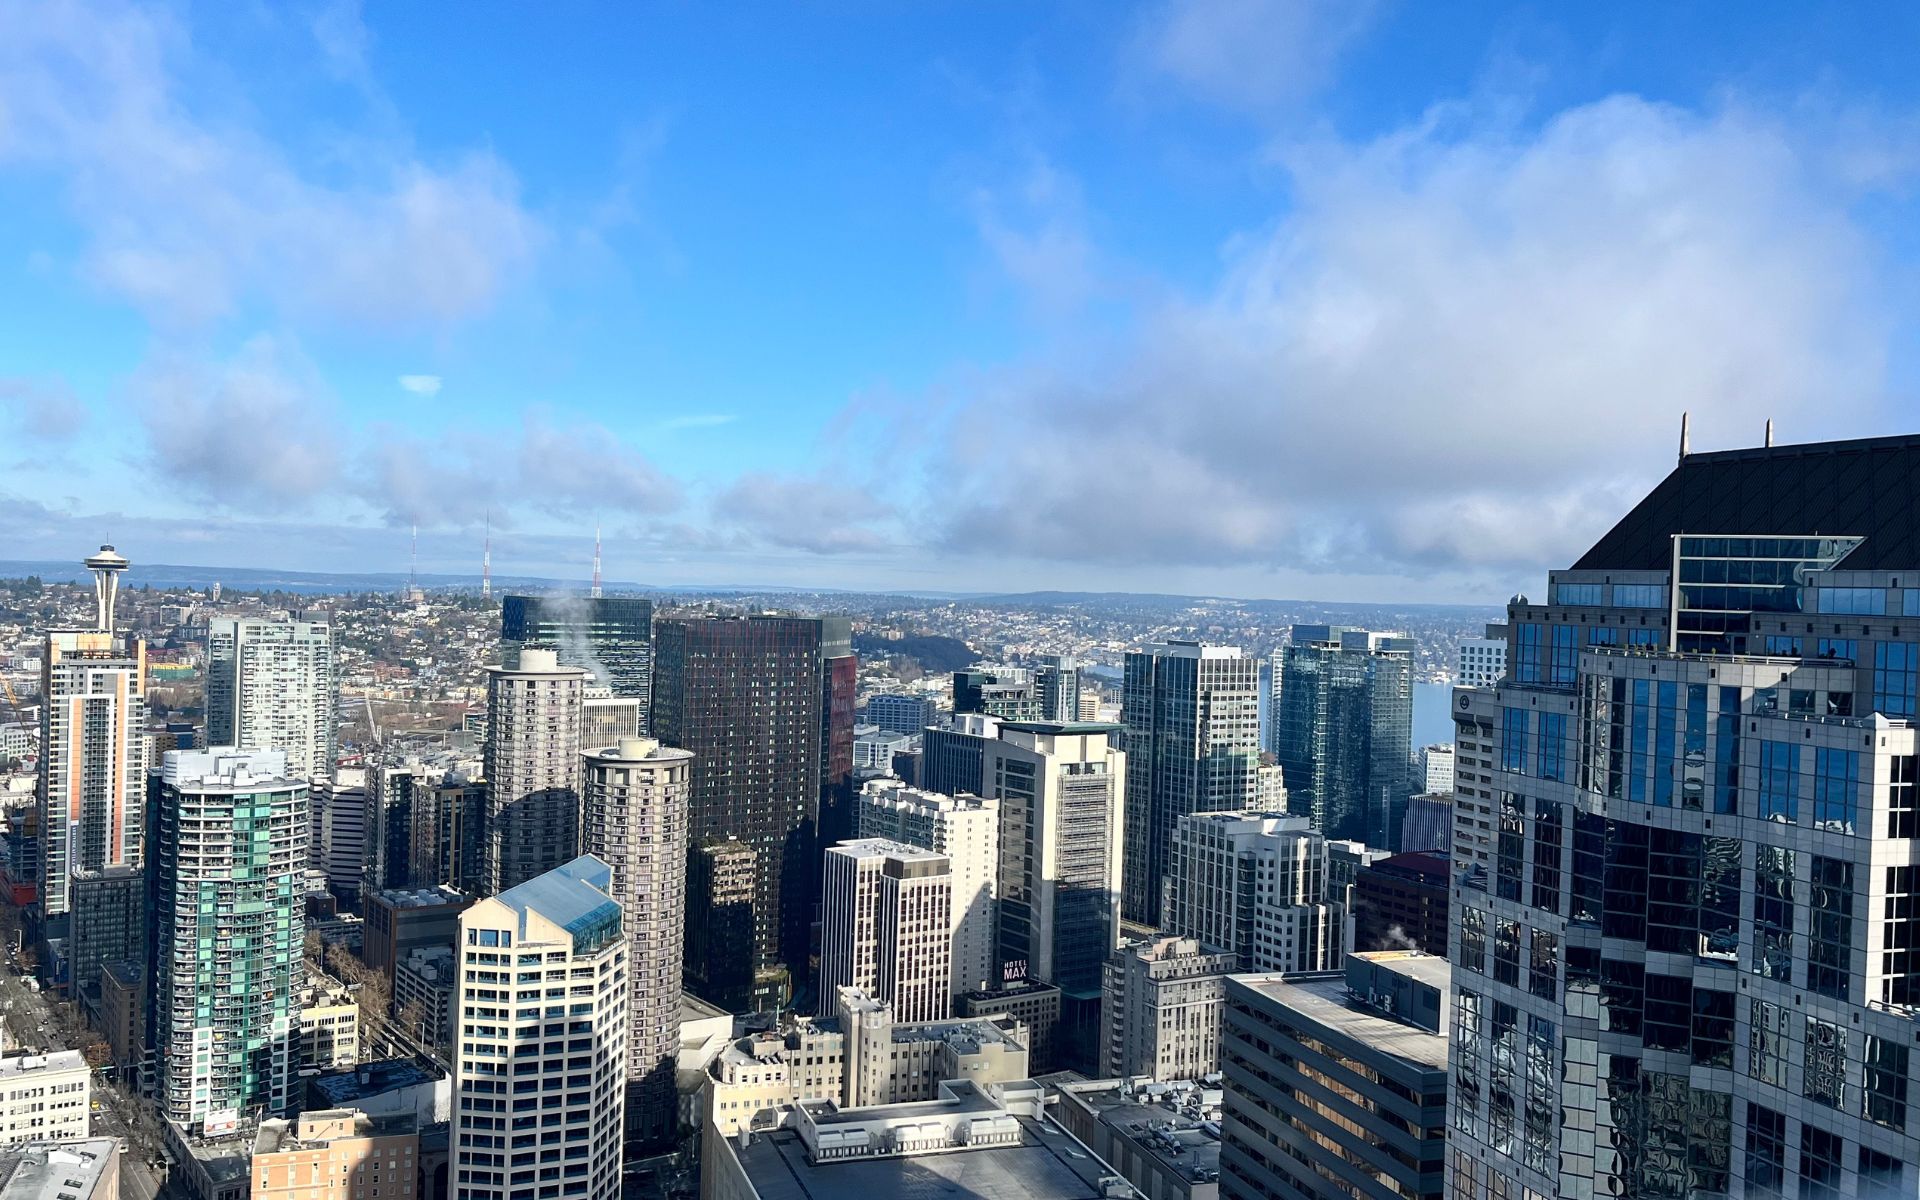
{"points": [[1691, 966], [634, 819], [611, 636], [886, 927], [558, 934], [397, 792], [1056, 684], [967, 830], [93, 760], [229, 857], [1343, 731], [532, 767], [749, 698], [270, 686], [899, 713], [1255, 884], [1192, 714], [1062, 789]]}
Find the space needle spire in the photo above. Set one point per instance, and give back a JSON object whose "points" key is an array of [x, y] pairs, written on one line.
{"points": [[596, 562], [106, 567]]}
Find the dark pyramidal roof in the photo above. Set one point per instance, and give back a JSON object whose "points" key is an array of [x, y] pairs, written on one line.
{"points": [[1868, 488]]}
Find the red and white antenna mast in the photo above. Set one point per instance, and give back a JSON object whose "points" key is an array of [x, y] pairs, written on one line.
{"points": [[486, 562], [596, 563]]}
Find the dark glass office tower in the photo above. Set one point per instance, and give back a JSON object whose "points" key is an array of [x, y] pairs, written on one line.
{"points": [[759, 701], [1192, 714], [1344, 731], [1690, 966], [611, 636]]}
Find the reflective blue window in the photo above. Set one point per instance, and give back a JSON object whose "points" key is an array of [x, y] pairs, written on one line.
{"points": [[1639, 720], [1852, 601], [1513, 740], [1836, 780], [1526, 667], [1910, 602], [1780, 781], [1639, 595], [1846, 648], [1643, 637], [1896, 670], [1784, 645], [1726, 752], [1553, 746], [1576, 593], [1666, 716], [1566, 654], [1603, 635]]}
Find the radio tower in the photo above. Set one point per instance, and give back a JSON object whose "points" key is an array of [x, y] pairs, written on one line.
{"points": [[486, 563], [596, 563]]}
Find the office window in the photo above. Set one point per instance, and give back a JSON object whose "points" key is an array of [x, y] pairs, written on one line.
{"points": [[1527, 665], [1883, 1092], [1639, 595], [1543, 966], [1836, 779], [1566, 654], [1513, 739], [1903, 803], [1830, 933], [1712, 1027], [1773, 871], [1851, 601], [1552, 758], [1780, 781], [1879, 1173], [1824, 1062], [1767, 1040], [1900, 963], [1820, 1174], [1577, 593], [1638, 636], [1846, 648], [1783, 645], [1603, 635], [1506, 952], [1766, 1152], [1473, 939], [1896, 670]]}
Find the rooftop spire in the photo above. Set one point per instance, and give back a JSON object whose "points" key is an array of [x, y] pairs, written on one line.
{"points": [[1685, 449], [596, 562]]}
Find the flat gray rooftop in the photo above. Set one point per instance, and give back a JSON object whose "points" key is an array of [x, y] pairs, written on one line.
{"points": [[1324, 1001], [1046, 1165]]}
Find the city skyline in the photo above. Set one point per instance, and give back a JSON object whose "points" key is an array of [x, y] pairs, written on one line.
{"points": [[782, 350]]}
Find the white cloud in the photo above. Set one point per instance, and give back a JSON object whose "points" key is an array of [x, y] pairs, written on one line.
{"points": [[1253, 55], [1036, 230], [41, 411], [421, 385], [817, 514], [1462, 348], [254, 432], [190, 214]]}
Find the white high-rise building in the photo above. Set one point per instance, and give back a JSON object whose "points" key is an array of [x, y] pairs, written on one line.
{"points": [[967, 830], [1436, 768], [540, 1034], [229, 861], [886, 926], [634, 818], [1483, 660], [1062, 789], [534, 714], [1255, 884], [337, 826], [270, 686]]}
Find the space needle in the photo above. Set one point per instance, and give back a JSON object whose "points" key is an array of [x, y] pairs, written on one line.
{"points": [[106, 567]]}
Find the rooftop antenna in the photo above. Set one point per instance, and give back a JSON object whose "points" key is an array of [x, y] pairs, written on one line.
{"points": [[413, 561], [1769, 432], [486, 561], [106, 567], [1685, 424], [596, 563]]}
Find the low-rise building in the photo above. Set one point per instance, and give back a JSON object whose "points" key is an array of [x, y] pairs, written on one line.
{"points": [[379, 1089], [423, 996], [968, 1140], [76, 1169], [212, 1166], [329, 1026], [401, 920], [858, 1058], [336, 1154], [44, 1097], [123, 1016], [1034, 1004], [1164, 1138]]}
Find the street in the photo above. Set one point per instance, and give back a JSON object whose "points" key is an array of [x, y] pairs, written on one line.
{"points": [[31, 1027]]}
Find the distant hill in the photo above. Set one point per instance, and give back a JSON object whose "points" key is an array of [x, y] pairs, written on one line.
{"points": [[936, 655]]}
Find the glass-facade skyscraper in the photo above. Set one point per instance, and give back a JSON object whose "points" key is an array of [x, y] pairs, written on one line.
{"points": [[1342, 728], [1690, 964], [1192, 716], [611, 636]]}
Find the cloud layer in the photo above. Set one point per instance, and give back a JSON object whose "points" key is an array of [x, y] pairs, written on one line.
{"points": [[1462, 347]]}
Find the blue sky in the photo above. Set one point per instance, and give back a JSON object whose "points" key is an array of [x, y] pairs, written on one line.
{"points": [[1339, 301]]}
